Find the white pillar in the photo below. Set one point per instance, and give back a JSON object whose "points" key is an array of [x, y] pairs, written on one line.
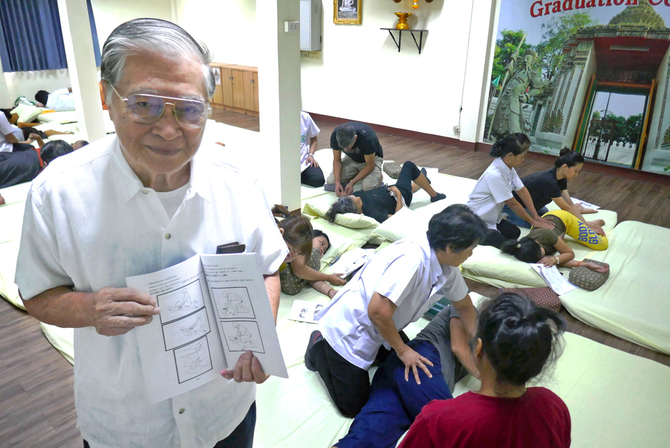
{"points": [[279, 98], [483, 27], [81, 67]]}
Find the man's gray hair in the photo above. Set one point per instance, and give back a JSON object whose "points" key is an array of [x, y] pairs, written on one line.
{"points": [[153, 35], [345, 135]]}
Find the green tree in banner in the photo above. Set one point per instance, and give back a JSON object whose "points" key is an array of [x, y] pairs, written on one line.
{"points": [[557, 32], [505, 47], [632, 128]]}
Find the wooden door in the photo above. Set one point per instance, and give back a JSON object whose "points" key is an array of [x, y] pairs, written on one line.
{"points": [[227, 86], [250, 91], [254, 80], [238, 88], [217, 99]]}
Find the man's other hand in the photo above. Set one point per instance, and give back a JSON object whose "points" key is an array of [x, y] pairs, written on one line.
{"points": [[248, 369]]}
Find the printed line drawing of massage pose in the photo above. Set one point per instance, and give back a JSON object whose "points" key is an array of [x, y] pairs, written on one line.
{"points": [[191, 359], [243, 337], [186, 303], [198, 327], [233, 305]]}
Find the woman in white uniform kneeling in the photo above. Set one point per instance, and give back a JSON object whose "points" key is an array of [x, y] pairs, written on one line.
{"points": [[396, 287], [494, 189]]}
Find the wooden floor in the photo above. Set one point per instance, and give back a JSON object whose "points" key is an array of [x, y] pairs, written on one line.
{"points": [[36, 385]]}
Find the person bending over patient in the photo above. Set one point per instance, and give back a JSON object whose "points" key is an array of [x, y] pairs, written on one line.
{"points": [[515, 342], [396, 287], [394, 402], [495, 188], [301, 266], [383, 202], [541, 244], [552, 185]]}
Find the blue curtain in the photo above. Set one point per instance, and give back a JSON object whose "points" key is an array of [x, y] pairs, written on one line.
{"points": [[31, 37]]}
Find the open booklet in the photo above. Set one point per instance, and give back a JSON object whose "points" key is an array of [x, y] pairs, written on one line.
{"points": [[555, 280], [351, 260], [213, 308]]}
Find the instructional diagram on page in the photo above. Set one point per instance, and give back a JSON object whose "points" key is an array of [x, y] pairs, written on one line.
{"points": [[213, 308]]}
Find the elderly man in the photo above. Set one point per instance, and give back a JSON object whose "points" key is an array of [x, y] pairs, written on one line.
{"points": [[143, 200], [362, 162]]}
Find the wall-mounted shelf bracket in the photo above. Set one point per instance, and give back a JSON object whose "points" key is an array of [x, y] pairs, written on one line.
{"points": [[398, 42]]}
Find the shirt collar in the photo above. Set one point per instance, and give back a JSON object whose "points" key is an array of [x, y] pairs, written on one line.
{"points": [[429, 253], [500, 165], [128, 184]]}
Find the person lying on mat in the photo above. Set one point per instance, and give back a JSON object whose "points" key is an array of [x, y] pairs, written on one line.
{"points": [[301, 266], [495, 188], [516, 340], [383, 202], [394, 402], [541, 245], [393, 289], [552, 185]]}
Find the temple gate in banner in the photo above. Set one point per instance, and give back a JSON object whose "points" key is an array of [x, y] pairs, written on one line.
{"points": [[606, 97]]}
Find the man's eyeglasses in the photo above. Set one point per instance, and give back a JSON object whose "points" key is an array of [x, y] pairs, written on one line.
{"points": [[148, 109]]}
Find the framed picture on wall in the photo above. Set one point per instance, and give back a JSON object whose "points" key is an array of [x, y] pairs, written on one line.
{"points": [[347, 12]]}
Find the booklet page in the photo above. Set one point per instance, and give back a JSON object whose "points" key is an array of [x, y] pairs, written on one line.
{"points": [[180, 348], [243, 313]]}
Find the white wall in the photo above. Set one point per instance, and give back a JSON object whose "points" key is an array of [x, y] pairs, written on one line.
{"points": [[111, 13], [362, 76], [228, 28], [28, 83]]}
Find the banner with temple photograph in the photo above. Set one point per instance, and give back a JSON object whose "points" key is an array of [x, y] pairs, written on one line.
{"points": [[590, 75]]}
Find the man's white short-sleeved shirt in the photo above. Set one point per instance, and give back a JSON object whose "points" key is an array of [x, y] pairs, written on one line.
{"points": [[7, 128], [408, 274], [493, 188], [89, 222], [308, 129]]}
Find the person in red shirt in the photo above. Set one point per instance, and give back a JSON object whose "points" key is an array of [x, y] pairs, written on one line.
{"points": [[515, 341]]}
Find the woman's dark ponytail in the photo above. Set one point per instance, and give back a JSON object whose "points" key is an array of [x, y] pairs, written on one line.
{"points": [[569, 158], [345, 204], [519, 338], [526, 249], [514, 143]]}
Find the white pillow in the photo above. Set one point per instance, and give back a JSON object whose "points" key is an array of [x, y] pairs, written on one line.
{"points": [[397, 226], [27, 113]]}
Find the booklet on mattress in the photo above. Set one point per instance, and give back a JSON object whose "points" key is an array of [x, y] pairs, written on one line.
{"points": [[351, 261], [304, 311], [213, 308], [585, 204], [555, 280]]}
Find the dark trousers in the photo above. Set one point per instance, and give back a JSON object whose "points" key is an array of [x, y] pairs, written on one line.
{"points": [[18, 167], [312, 176], [241, 437], [22, 147], [408, 173], [348, 385], [506, 231], [394, 403]]}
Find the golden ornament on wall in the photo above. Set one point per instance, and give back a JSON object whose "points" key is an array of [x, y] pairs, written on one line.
{"points": [[402, 20]]}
